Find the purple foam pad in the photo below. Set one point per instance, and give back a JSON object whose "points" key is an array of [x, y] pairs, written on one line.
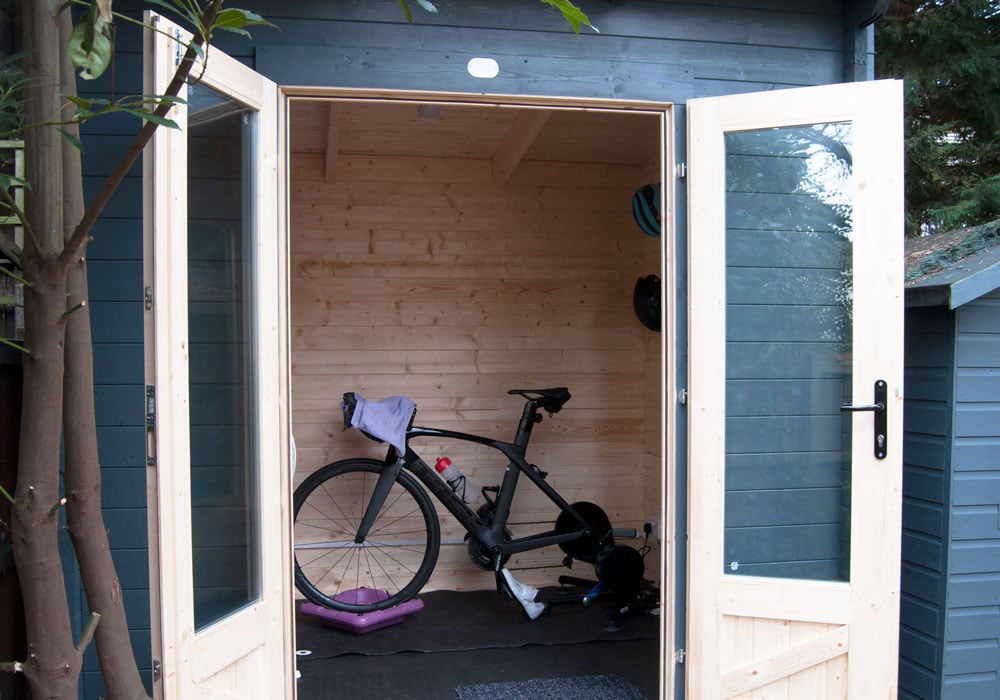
{"points": [[362, 622]]}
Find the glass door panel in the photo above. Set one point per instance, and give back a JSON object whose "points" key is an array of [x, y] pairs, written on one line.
{"points": [[225, 543], [788, 267]]}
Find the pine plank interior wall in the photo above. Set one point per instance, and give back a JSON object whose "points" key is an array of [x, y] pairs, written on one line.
{"points": [[420, 276]]}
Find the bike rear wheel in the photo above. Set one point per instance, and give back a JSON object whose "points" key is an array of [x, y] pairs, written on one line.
{"points": [[393, 562]]}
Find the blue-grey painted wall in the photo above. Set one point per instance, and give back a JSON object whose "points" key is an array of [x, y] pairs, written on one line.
{"points": [[657, 50], [951, 531], [669, 51], [971, 666]]}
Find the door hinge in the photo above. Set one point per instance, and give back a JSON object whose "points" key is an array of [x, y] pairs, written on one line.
{"points": [[681, 170], [682, 396], [157, 670], [679, 656], [150, 425], [178, 47], [147, 298]]}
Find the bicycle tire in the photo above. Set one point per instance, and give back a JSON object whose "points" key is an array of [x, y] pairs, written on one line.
{"points": [[396, 558]]}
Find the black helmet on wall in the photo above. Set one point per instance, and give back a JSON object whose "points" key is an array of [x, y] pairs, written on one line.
{"points": [[646, 208], [646, 301]]}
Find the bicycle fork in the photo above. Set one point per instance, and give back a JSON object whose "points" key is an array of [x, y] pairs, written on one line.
{"points": [[386, 477]]}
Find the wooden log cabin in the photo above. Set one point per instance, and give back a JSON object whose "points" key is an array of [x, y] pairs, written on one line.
{"points": [[419, 230]]}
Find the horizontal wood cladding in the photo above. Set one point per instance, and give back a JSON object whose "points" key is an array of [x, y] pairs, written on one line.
{"points": [[971, 661], [455, 176], [645, 50], [419, 276], [929, 381], [774, 22], [501, 134]]}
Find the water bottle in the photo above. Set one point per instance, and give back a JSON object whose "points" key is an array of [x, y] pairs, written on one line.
{"points": [[459, 483]]}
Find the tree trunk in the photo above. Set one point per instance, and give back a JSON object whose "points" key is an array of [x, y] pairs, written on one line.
{"points": [[53, 663], [82, 475]]}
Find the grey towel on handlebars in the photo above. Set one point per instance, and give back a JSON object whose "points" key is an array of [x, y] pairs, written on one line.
{"points": [[386, 420]]}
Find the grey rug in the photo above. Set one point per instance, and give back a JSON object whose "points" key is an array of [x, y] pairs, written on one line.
{"points": [[605, 687]]}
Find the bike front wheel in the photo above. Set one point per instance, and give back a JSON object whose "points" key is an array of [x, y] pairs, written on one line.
{"points": [[395, 559]]}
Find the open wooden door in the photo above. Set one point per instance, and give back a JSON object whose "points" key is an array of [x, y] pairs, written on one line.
{"points": [[796, 237], [217, 385]]}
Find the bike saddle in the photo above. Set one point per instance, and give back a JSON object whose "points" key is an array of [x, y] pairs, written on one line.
{"points": [[550, 399]]}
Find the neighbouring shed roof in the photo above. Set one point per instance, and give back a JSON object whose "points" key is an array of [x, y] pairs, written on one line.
{"points": [[954, 267]]}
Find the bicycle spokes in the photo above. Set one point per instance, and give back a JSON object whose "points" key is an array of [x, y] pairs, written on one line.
{"points": [[390, 554]]}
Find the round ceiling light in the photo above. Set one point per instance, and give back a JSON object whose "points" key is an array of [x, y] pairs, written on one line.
{"points": [[483, 68]]}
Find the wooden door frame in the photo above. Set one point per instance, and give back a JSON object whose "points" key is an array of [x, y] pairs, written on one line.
{"points": [[875, 509], [168, 147], [667, 273]]}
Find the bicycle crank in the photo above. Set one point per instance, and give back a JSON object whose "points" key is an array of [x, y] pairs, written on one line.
{"points": [[479, 555]]}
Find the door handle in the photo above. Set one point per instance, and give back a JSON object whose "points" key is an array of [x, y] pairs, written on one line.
{"points": [[880, 410]]}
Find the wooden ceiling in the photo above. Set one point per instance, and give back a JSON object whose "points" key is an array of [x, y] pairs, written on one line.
{"points": [[505, 135]]}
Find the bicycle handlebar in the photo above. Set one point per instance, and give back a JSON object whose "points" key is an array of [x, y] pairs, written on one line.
{"points": [[350, 404]]}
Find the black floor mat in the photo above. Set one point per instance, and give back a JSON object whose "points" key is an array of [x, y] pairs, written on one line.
{"points": [[468, 620], [436, 676]]}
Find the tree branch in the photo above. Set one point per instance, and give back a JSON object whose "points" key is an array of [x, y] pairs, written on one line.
{"points": [[73, 309], [141, 139], [19, 348], [9, 250], [11, 204], [88, 631], [16, 277]]}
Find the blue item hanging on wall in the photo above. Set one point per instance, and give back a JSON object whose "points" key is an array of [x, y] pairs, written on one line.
{"points": [[646, 208]]}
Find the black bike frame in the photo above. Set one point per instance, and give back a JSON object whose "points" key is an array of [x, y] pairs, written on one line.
{"points": [[491, 535]]}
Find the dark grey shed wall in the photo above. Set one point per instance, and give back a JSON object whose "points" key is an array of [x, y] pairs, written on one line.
{"points": [[666, 51], [647, 49], [115, 275], [951, 543], [928, 378]]}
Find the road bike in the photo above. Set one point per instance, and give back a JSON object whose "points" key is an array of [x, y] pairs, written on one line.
{"points": [[367, 534]]}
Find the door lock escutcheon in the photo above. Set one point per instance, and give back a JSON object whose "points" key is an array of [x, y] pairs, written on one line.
{"points": [[880, 410]]}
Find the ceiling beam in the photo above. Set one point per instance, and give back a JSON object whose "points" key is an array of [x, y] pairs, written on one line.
{"points": [[515, 144], [332, 144]]}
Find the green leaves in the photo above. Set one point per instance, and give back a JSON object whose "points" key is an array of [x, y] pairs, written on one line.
{"points": [[231, 19], [7, 182], [139, 106], [573, 14], [235, 20], [425, 4], [91, 43], [12, 84], [949, 55]]}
